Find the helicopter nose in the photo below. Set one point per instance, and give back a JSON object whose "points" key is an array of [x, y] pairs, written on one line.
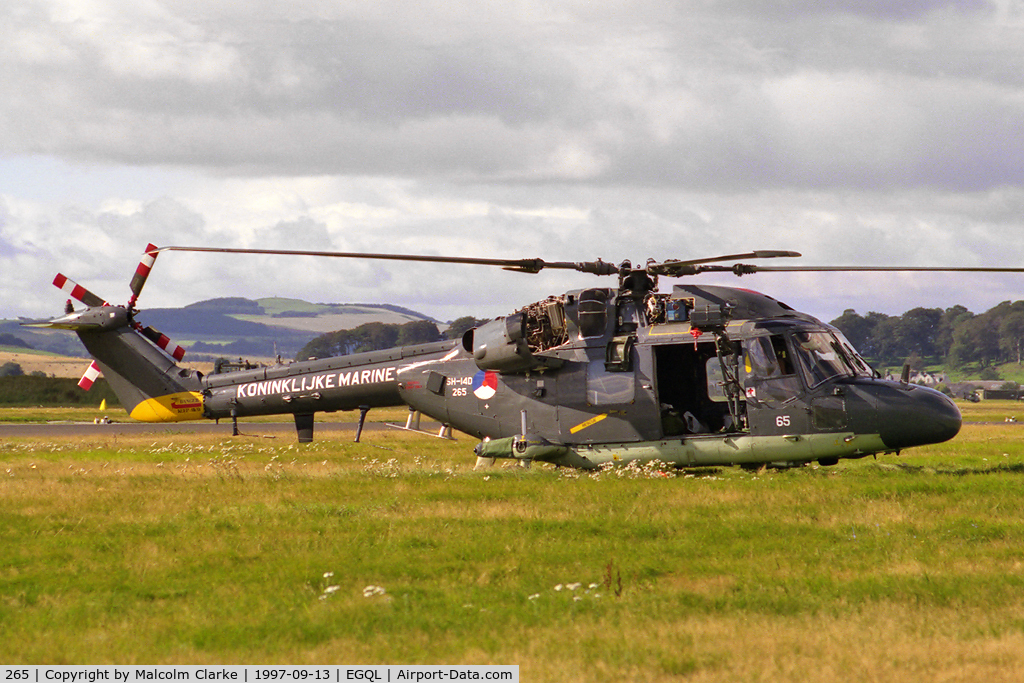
{"points": [[916, 416]]}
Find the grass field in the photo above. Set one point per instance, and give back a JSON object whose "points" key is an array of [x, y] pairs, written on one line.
{"points": [[53, 365], [214, 550]]}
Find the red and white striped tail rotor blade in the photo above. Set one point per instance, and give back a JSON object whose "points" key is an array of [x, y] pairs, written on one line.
{"points": [[90, 376], [163, 341], [142, 272], [77, 291]]}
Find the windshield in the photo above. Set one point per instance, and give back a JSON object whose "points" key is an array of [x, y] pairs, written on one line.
{"points": [[824, 355], [860, 367]]}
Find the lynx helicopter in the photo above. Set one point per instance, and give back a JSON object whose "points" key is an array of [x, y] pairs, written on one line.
{"points": [[704, 375]]}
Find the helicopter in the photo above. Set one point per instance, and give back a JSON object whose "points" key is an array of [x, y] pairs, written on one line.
{"points": [[699, 376]]}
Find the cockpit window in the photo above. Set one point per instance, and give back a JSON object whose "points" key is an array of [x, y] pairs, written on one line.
{"points": [[822, 356], [767, 357], [768, 374], [859, 366]]}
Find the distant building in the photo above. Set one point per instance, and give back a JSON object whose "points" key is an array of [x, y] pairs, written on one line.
{"points": [[928, 379], [987, 389]]}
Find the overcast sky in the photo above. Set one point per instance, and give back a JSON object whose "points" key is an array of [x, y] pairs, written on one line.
{"points": [[858, 132]]}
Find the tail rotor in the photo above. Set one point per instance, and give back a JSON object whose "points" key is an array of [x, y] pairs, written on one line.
{"points": [[162, 341], [90, 376], [142, 273], [77, 291], [138, 281]]}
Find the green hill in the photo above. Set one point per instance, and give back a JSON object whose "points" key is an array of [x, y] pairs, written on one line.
{"points": [[231, 326]]}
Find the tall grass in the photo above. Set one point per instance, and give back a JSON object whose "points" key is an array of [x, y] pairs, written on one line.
{"points": [[255, 550]]}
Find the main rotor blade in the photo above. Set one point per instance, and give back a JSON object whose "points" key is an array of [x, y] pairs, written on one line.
{"points": [[676, 268], [875, 269], [737, 257], [518, 265], [670, 268]]}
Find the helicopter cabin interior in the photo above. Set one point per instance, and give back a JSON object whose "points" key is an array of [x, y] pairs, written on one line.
{"points": [[715, 383], [711, 387], [690, 390]]}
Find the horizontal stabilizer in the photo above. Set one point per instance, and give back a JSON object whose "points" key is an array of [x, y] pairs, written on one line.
{"points": [[67, 322], [86, 320]]}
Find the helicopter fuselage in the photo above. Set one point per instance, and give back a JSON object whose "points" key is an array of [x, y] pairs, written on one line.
{"points": [[702, 376]]}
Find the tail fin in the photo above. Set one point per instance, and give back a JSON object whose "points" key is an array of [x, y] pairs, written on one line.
{"points": [[149, 384], [145, 378]]}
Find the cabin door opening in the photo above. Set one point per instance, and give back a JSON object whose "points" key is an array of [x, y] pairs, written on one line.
{"points": [[692, 392]]}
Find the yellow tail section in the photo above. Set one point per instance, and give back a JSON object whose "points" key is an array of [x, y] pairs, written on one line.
{"points": [[171, 408]]}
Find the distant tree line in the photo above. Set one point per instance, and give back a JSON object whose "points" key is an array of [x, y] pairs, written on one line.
{"points": [[11, 369], [377, 336], [7, 339], [953, 336], [35, 389]]}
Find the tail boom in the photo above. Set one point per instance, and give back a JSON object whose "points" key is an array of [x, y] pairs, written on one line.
{"points": [[341, 383]]}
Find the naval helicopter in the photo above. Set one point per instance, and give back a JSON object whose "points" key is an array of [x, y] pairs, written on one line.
{"points": [[699, 376]]}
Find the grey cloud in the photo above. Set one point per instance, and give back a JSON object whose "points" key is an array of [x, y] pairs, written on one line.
{"points": [[367, 72], [301, 233], [661, 100], [663, 130], [873, 9]]}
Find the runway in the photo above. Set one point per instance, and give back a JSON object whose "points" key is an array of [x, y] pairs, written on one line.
{"points": [[57, 429]]}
